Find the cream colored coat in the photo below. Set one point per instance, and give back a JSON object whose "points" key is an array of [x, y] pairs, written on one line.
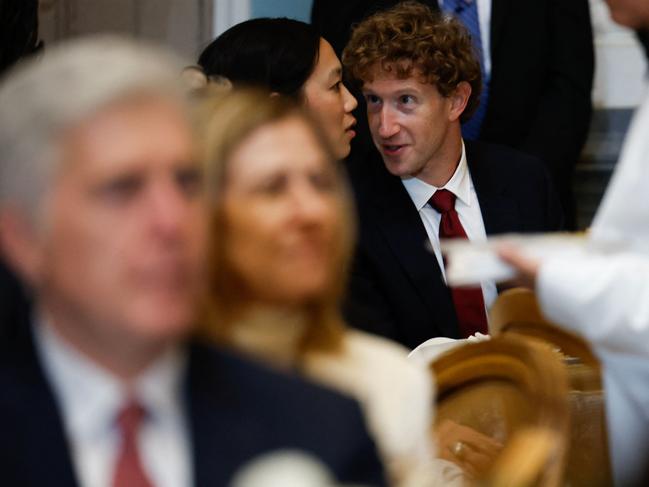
{"points": [[396, 395]]}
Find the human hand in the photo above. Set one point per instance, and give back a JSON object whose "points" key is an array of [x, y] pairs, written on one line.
{"points": [[469, 449], [528, 268]]}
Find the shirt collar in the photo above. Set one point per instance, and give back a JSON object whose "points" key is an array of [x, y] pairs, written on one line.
{"points": [[90, 397], [460, 185]]}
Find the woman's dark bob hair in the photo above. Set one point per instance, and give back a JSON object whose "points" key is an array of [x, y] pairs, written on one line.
{"points": [[277, 54]]}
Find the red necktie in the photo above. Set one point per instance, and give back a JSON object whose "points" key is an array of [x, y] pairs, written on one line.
{"points": [[128, 469], [469, 302]]}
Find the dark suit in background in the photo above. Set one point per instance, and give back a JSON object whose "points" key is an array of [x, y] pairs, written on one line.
{"points": [[542, 65], [236, 411], [18, 38], [396, 288], [13, 302], [541, 81]]}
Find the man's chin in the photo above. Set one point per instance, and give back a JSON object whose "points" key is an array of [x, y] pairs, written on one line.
{"points": [[165, 323], [397, 169]]}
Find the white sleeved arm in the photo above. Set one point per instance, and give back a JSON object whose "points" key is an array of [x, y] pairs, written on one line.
{"points": [[605, 298]]}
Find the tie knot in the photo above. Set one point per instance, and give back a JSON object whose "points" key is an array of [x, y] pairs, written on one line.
{"points": [[443, 201], [130, 417]]}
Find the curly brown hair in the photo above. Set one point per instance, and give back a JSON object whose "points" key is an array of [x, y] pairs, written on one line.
{"points": [[412, 38]]}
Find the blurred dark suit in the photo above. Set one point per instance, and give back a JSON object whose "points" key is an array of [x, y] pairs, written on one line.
{"points": [[13, 303], [236, 410], [18, 38]]}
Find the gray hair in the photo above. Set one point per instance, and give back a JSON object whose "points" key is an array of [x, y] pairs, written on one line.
{"points": [[42, 98]]}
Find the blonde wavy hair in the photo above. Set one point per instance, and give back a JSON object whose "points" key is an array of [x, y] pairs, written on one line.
{"points": [[225, 122]]}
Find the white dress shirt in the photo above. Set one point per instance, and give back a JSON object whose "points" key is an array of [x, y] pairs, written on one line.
{"points": [[484, 17], [90, 399], [468, 210]]}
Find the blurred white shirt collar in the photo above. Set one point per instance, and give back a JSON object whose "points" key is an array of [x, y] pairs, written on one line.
{"points": [[90, 398]]}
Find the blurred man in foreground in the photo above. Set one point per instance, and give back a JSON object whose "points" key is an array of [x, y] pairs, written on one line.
{"points": [[102, 215]]}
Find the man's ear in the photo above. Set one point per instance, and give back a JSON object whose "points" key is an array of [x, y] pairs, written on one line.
{"points": [[21, 244], [459, 99]]}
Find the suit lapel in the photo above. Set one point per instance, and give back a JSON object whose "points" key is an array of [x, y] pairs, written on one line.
{"points": [[499, 212], [205, 417], [221, 432], [400, 223], [45, 448]]}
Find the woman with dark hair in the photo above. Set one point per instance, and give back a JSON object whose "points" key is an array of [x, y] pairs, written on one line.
{"points": [[289, 58]]}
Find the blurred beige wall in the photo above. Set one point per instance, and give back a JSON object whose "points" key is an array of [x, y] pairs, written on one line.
{"points": [[184, 25]]}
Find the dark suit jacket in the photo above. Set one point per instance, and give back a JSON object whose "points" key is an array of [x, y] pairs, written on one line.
{"points": [[541, 79], [13, 301], [396, 288], [237, 410]]}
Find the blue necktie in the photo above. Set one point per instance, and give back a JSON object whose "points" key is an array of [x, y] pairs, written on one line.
{"points": [[467, 12]]}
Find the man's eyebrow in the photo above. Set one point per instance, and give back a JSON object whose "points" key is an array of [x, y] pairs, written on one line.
{"points": [[409, 90]]}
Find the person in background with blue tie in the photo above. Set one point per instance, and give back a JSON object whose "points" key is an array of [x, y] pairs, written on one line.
{"points": [[537, 62]]}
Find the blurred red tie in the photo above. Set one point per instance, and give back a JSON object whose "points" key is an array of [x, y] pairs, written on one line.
{"points": [[469, 302], [128, 468]]}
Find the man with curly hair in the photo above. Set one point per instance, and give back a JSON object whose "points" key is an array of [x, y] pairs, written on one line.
{"points": [[420, 78], [547, 43]]}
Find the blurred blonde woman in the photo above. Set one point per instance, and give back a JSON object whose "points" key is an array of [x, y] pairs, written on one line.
{"points": [[282, 234]]}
